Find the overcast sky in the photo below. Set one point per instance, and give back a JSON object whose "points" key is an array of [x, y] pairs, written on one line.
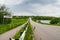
{"points": [[33, 7]]}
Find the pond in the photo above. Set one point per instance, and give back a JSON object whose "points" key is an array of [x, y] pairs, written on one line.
{"points": [[45, 21]]}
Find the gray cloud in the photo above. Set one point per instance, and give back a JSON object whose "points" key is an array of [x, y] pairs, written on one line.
{"points": [[28, 6], [43, 2]]}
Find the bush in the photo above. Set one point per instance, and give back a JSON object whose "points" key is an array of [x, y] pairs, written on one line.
{"points": [[7, 20], [1, 20], [4, 11], [55, 21]]}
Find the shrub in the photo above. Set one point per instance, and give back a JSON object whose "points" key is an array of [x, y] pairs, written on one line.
{"points": [[7, 20], [4, 11], [55, 21]]}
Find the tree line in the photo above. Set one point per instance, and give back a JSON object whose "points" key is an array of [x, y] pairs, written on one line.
{"points": [[54, 20]]}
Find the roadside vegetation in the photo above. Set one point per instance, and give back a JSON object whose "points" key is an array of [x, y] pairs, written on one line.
{"points": [[14, 23], [3, 15], [19, 33], [53, 20], [7, 21], [42, 18], [28, 34]]}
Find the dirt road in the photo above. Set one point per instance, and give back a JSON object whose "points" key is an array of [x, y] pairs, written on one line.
{"points": [[10, 33], [45, 32]]}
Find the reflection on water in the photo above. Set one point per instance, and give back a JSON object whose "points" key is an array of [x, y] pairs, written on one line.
{"points": [[45, 21]]}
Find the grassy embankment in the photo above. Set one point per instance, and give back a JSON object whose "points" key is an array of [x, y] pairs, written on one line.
{"points": [[15, 22], [19, 33], [29, 32]]}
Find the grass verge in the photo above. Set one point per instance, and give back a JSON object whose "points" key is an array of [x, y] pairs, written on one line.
{"points": [[29, 32], [19, 33], [15, 22]]}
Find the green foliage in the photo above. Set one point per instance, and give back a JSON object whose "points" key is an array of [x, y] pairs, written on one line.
{"points": [[13, 24], [18, 17], [42, 18], [1, 20], [3, 11], [38, 18], [7, 20], [19, 33], [55, 21], [29, 33]]}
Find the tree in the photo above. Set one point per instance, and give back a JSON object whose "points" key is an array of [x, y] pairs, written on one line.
{"points": [[3, 11], [55, 21]]}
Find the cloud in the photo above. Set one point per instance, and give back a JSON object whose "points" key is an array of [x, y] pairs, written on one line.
{"points": [[23, 14], [43, 2], [11, 2], [34, 7], [39, 7], [46, 9]]}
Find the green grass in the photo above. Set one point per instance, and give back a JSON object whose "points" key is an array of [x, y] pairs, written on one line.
{"points": [[13, 24], [19, 33], [29, 33]]}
